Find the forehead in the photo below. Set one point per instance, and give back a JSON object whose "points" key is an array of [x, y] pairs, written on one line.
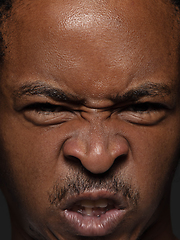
{"points": [[97, 43]]}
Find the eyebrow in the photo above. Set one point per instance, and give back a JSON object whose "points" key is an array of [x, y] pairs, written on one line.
{"points": [[39, 89], [144, 90]]}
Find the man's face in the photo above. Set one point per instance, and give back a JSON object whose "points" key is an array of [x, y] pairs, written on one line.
{"points": [[89, 117]]}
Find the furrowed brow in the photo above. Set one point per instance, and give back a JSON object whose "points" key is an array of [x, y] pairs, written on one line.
{"points": [[145, 90], [47, 91]]}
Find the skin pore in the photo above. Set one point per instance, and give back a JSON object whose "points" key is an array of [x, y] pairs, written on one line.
{"points": [[90, 115]]}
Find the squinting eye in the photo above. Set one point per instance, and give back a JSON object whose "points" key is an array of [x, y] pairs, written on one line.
{"points": [[47, 108], [48, 114], [144, 107], [144, 113]]}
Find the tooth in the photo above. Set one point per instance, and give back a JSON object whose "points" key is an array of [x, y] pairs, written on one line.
{"points": [[88, 211], [80, 211], [101, 203], [87, 203]]}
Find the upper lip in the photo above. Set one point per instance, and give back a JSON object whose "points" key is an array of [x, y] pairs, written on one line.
{"points": [[118, 199]]}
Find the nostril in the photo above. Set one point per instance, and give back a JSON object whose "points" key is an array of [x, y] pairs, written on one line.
{"points": [[120, 160], [73, 162], [71, 158], [121, 157]]}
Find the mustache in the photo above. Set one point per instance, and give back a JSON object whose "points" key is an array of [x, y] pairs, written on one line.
{"points": [[80, 183]]}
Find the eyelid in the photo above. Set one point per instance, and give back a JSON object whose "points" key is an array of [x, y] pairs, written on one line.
{"points": [[31, 101], [150, 106], [47, 105], [152, 116], [57, 115], [127, 106]]}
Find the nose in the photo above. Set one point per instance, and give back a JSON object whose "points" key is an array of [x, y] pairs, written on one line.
{"points": [[96, 150]]}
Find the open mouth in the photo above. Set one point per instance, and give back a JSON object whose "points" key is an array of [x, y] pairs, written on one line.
{"points": [[93, 208], [95, 216]]}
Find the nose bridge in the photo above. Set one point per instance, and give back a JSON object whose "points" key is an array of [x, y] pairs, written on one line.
{"points": [[95, 116], [98, 137]]}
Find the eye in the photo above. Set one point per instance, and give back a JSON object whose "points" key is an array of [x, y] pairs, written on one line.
{"points": [[144, 113], [48, 114], [47, 108], [145, 107]]}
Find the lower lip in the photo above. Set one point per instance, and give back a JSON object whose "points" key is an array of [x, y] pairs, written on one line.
{"points": [[94, 226]]}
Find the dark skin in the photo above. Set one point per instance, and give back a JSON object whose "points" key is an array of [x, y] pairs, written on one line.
{"points": [[90, 111]]}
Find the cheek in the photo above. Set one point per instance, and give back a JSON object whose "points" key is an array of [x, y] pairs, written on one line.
{"points": [[154, 155], [33, 163], [30, 159]]}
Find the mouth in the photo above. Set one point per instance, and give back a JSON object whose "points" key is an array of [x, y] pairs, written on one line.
{"points": [[95, 214], [91, 208]]}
